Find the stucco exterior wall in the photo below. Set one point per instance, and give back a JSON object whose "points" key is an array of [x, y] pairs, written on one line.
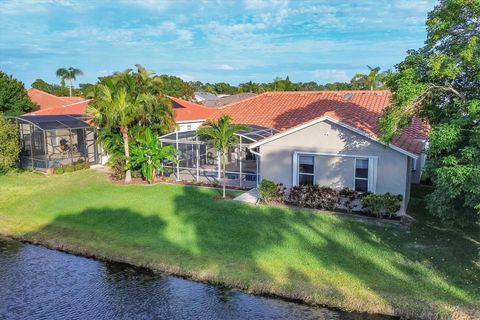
{"points": [[189, 125], [336, 170]]}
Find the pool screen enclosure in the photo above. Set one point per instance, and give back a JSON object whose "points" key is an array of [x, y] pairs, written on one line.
{"points": [[198, 160], [50, 141]]}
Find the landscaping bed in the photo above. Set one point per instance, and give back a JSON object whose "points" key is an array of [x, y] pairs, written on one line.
{"points": [[426, 272]]}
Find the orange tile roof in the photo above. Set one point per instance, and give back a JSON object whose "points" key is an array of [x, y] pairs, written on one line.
{"points": [[359, 109], [50, 104], [189, 111]]}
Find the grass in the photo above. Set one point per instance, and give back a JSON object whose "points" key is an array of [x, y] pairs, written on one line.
{"points": [[424, 272]]}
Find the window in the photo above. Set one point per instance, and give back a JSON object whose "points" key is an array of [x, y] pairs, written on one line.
{"points": [[361, 175], [189, 127], [306, 170]]}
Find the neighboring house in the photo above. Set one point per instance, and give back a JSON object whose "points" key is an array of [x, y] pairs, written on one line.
{"points": [[52, 105], [227, 99], [202, 96], [329, 138], [58, 133], [189, 115]]}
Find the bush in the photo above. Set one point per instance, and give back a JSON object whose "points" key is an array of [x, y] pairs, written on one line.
{"points": [[68, 168], [271, 192], [58, 170], [9, 144], [382, 204], [81, 165], [313, 197], [347, 199], [117, 166]]}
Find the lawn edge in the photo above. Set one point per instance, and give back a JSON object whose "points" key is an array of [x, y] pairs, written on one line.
{"points": [[428, 312]]}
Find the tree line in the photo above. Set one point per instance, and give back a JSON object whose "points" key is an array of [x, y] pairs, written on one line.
{"points": [[177, 87]]}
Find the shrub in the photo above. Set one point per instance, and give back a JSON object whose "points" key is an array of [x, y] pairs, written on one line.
{"points": [[68, 168], [271, 192], [313, 197], [9, 144], [117, 168], [347, 199], [382, 204], [81, 165], [58, 170]]}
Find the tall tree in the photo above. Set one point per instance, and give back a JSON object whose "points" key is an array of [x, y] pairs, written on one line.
{"points": [[9, 144], [440, 82], [55, 89], [69, 74], [113, 108], [370, 81], [129, 102], [14, 100], [221, 135]]}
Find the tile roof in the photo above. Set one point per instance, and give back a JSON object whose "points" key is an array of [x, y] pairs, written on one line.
{"points": [[222, 101], [359, 109], [52, 105], [188, 111]]}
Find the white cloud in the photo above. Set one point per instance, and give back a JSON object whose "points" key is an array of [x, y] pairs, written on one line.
{"points": [[13, 7], [147, 35], [331, 75], [226, 67], [265, 4], [157, 5]]}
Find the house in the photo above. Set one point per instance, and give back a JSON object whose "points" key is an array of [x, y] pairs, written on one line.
{"points": [[227, 99], [189, 115], [202, 96], [329, 138], [52, 105], [58, 133]]}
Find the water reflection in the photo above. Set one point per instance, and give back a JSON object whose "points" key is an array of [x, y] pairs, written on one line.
{"points": [[38, 283]]}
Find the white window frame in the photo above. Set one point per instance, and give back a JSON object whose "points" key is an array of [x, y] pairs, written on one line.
{"points": [[372, 167], [305, 174], [355, 178]]}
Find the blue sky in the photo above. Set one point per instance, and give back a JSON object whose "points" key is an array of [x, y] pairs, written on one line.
{"points": [[210, 41]]}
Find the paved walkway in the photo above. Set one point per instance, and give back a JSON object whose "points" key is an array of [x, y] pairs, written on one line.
{"points": [[252, 196]]}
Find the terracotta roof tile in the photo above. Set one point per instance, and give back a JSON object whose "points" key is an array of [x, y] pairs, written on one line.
{"points": [[359, 109], [188, 111], [50, 105]]}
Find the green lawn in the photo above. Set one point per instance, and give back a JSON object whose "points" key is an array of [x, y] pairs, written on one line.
{"points": [[425, 271]]}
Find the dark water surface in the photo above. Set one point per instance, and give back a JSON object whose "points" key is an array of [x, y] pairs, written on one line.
{"points": [[39, 283]]}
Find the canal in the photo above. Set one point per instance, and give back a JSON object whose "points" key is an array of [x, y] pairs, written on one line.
{"points": [[39, 283]]}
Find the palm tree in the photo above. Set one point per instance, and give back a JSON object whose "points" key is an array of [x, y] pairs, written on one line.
{"points": [[113, 108], [368, 81], [69, 74], [129, 102], [372, 77], [221, 134]]}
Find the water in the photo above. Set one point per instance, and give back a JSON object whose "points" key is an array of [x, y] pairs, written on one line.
{"points": [[39, 283]]}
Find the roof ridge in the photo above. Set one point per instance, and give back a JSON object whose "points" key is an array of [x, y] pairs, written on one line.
{"points": [[75, 103], [241, 101], [196, 104], [46, 93], [326, 91]]}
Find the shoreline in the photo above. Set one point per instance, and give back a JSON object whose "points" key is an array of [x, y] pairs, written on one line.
{"points": [[323, 260], [168, 271], [175, 271]]}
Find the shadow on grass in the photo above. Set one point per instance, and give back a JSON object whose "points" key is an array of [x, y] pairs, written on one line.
{"points": [[284, 252]]}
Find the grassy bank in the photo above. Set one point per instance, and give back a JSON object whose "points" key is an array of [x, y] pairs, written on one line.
{"points": [[425, 272]]}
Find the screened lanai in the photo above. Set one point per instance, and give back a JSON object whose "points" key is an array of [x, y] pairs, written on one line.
{"points": [[197, 160], [49, 141]]}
